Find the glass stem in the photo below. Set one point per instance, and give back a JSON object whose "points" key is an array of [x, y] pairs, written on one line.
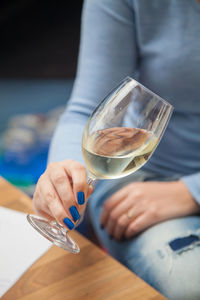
{"points": [[91, 181], [62, 228]]}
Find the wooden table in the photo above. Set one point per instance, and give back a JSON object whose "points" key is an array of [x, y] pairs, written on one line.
{"points": [[60, 275]]}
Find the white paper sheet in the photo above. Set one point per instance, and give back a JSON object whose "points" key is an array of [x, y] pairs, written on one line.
{"points": [[20, 247]]}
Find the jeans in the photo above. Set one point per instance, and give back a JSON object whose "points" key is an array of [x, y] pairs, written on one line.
{"points": [[167, 255]]}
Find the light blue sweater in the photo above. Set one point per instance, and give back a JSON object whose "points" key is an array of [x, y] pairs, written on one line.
{"points": [[158, 43]]}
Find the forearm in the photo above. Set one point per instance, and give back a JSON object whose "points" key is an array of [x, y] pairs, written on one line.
{"points": [[107, 55], [66, 142]]}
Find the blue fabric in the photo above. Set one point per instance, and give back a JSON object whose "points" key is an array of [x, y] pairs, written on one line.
{"points": [[157, 43]]}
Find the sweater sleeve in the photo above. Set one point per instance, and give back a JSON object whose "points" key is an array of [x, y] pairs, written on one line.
{"points": [[193, 184], [107, 55]]}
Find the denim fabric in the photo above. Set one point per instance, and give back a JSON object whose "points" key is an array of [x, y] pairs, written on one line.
{"points": [[176, 274]]}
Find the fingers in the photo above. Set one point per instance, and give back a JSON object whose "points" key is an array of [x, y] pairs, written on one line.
{"points": [[50, 202], [118, 211], [123, 220], [78, 175], [152, 202], [139, 224], [121, 226], [39, 207], [110, 204], [90, 191], [61, 192], [53, 202], [59, 179]]}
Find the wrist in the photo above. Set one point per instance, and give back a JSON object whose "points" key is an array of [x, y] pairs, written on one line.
{"points": [[190, 205]]}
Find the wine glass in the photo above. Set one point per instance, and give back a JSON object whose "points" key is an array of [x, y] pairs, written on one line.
{"points": [[119, 137]]}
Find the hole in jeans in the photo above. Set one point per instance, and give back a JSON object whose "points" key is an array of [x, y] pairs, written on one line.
{"points": [[181, 244]]}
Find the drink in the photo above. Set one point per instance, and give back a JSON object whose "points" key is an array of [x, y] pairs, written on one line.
{"points": [[117, 152]]}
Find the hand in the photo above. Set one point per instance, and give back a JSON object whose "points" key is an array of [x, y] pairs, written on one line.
{"points": [[140, 205], [57, 191]]}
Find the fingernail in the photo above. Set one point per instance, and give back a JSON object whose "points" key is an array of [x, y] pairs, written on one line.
{"points": [[102, 227], [81, 198], [74, 213], [68, 223]]}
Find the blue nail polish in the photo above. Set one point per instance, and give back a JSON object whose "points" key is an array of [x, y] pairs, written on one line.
{"points": [[68, 223], [74, 213], [81, 198]]}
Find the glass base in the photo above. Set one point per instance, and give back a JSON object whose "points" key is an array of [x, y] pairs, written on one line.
{"points": [[54, 232]]}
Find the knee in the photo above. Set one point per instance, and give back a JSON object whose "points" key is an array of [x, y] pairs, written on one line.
{"points": [[174, 274], [179, 277]]}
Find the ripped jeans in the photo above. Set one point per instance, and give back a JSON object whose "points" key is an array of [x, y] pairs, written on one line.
{"points": [[167, 255]]}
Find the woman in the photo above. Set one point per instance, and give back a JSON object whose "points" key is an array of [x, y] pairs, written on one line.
{"points": [[150, 220]]}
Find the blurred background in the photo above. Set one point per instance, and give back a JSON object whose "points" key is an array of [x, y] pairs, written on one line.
{"points": [[38, 57]]}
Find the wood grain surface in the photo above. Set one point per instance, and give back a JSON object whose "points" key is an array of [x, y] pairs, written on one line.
{"points": [[58, 274]]}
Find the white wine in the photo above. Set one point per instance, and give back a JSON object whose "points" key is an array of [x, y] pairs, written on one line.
{"points": [[117, 152]]}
